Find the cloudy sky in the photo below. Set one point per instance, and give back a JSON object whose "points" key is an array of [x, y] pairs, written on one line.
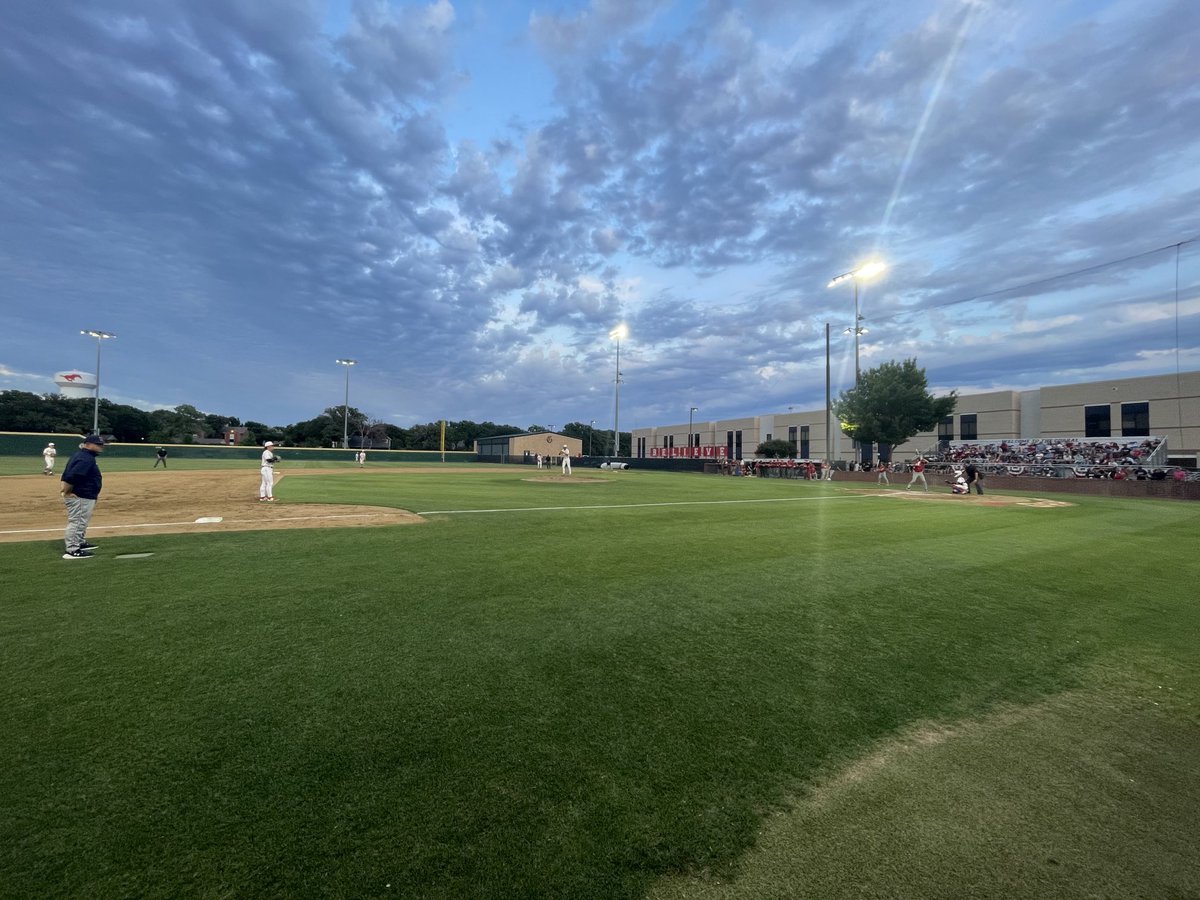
{"points": [[469, 195]]}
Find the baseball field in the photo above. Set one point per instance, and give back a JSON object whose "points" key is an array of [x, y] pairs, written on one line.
{"points": [[481, 681]]}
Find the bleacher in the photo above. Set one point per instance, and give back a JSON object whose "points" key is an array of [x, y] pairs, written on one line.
{"points": [[1061, 457]]}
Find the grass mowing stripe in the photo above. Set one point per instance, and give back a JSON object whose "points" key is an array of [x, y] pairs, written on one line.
{"points": [[504, 708], [457, 512]]}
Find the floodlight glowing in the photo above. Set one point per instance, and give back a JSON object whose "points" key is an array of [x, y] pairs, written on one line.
{"points": [[619, 332]]}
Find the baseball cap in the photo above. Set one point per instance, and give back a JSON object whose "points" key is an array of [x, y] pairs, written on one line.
{"points": [[269, 444], [94, 439], [51, 444]]}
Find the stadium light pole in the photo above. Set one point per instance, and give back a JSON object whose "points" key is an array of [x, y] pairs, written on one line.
{"points": [[691, 411], [100, 337], [346, 408], [865, 271], [828, 405], [591, 430], [617, 333]]}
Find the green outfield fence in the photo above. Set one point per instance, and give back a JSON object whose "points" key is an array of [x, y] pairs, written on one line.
{"points": [[26, 444]]}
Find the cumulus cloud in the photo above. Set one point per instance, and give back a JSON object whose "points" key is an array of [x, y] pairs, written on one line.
{"points": [[235, 188]]}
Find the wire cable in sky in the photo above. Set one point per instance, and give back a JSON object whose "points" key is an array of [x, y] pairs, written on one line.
{"points": [[1048, 280]]}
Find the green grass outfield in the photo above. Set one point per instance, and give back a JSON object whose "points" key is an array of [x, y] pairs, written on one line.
{"points": [[657, 685]]}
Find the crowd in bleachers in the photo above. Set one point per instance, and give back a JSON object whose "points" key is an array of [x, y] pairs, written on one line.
{"points": [[1135, 459], [1053, 451]]}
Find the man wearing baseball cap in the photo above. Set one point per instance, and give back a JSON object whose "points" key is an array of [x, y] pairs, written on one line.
{"points": [[266, 488], [81, 482]]}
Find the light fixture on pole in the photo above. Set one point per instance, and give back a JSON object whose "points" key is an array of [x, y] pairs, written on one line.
{"points": [[591, 431], [867, 270], [617, 333], [691, 410], [100, 337], [346, 408]]}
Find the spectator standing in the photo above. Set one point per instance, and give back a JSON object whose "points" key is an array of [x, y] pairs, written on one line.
{"points": [[81, 483]]}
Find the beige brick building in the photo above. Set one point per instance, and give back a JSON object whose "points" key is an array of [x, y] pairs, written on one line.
{"points": [[506, 447], [1161, 405]]}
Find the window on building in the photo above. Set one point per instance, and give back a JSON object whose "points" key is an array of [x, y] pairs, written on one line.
{"points": [[1097, 421], [1135, 419], [737, 445], [946, 430], [969, 427], [792, 439], [729, 445], [804, 442]]}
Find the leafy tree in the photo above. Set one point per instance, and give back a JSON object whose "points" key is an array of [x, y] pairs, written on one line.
{"points": [[398, 435], [595, 440], [775, 449], [425, 437], [215, 425], [127, 423], [891, 404], [257, 433], [178, 425]]}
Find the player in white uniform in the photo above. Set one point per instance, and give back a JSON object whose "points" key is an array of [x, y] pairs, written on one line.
{"points": [[48, 459], [360, 457], [566, 463], [266, 490]]}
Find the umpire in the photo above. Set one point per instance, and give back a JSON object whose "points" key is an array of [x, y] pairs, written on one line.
{"points": [[81, 482]]}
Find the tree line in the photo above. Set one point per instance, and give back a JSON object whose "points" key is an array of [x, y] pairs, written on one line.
{"points": [[22, 411]]}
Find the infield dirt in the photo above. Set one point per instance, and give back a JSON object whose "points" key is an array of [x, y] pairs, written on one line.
{"points": [[163, 501]]}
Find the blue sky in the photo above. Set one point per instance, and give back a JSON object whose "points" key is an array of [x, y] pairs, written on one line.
{"points": [[468, 196]]}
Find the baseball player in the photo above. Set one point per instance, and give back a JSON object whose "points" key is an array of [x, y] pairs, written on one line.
{"points": [[48, 459], [266, 490], [566, 462], [882, 478], [361, 458], [919, 472]]}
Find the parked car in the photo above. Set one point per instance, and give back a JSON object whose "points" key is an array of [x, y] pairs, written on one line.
{"points": [[614, 464]]}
